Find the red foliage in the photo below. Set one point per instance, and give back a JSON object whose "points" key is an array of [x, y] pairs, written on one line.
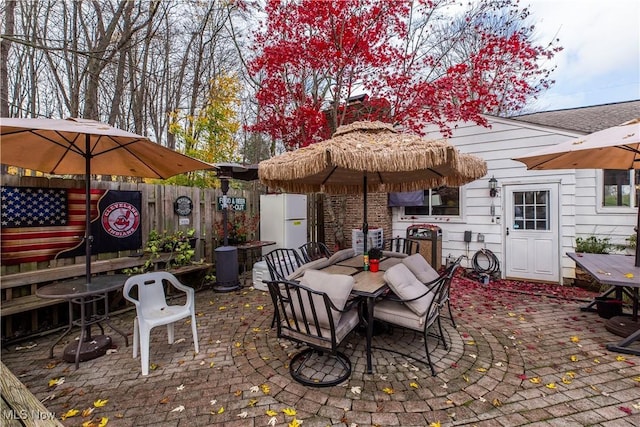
{"points": [[315, 55]]}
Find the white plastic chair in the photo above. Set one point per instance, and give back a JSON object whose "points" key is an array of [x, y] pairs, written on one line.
{"points": [[152, 310]]}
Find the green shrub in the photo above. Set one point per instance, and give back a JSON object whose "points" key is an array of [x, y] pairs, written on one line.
{"points": [[594, 245]]}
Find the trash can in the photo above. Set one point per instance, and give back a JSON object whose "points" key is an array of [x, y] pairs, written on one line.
{"points": [[430, 238]]}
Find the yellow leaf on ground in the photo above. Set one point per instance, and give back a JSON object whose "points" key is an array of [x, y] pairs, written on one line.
{"points": [[87, 412], [573, 358], [260, 307], [566, 380], [621, 358], [535, 380], [271, 413], [497, 402], [435, 424], [629, 275], [222, 307], [252, 402], [481, 370], [551, 385], [56, 381], [221, 410], [70, 413], [295, 423], [575, 339], [571, 374], [289, 411], [265, 388], [414, 385], [100, 403], [388, 390]]}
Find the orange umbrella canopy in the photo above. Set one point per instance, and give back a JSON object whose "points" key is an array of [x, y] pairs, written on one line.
{"points": [[374, 151], [617, 147], [63, 147]]}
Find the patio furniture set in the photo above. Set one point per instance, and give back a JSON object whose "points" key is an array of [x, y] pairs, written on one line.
{"points": [[320, 300]]}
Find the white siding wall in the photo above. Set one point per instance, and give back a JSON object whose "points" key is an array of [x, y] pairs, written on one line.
{"points": [[498, 145]]}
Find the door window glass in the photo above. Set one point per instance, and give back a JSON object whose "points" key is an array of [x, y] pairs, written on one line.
{"points": [[531, 210]]}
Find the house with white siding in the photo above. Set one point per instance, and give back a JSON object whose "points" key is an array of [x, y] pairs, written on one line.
{"points": [[534, 217]]}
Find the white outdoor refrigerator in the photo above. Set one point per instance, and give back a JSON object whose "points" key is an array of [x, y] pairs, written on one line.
{"points": [[283, 219]]}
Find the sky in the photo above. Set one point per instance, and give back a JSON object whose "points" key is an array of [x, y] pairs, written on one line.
{"points": [[600, 63]]}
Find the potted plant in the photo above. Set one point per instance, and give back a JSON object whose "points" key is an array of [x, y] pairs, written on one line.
{"points": [[374, 259], [178, 247], [240, 227]]}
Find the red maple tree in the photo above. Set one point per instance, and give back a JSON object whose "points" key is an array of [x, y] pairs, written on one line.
{"points": [[418, 64]]}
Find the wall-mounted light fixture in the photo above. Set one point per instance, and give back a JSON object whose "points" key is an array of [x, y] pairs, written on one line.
{"points": [[493, 187]]}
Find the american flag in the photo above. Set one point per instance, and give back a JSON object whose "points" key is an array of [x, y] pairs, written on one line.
{"points": [[37, 223]]}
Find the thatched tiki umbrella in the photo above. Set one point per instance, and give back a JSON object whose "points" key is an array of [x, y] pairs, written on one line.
{"points": [[370, 157]]}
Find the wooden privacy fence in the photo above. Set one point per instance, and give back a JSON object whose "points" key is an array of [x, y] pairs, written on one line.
{"points": [[157, 213], [24, 314]]}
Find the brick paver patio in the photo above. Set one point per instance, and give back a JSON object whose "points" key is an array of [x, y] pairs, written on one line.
{"points": [[522, 356]]}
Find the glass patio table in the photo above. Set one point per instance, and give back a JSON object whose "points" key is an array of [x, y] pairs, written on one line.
{"points": [[86, 296]]}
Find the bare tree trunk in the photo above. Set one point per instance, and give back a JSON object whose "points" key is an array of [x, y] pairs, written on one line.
{"points": [[99, 59], [5, 46]]}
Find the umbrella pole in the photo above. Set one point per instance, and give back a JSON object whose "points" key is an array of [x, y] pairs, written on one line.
{"points": [[365, 225], [224, 185], [87, 192], [638, 240]]}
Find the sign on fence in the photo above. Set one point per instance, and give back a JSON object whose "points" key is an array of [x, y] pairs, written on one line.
{"points": [[234, 203]]}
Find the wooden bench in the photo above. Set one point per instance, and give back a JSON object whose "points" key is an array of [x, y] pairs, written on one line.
{"points": [[18, 406], [27, 283], [11, 284]]}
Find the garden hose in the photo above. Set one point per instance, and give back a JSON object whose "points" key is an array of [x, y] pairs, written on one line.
{"points": [[490, 264]]}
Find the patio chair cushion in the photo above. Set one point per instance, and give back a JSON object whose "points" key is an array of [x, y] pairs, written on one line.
{"points": [[317, 264], [348, 321], [392, 254], [336, 286], [342, 255], [398, 314], [420, 268], [407, 287]]}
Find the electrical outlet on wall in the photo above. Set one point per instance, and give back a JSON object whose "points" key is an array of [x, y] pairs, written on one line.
{"points": [[480, 237]]}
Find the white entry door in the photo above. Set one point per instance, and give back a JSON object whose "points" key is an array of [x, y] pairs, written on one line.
{"points": [[531, 232]]}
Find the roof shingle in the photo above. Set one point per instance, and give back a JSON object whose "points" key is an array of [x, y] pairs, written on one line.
{"points": [[585, 119]]}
